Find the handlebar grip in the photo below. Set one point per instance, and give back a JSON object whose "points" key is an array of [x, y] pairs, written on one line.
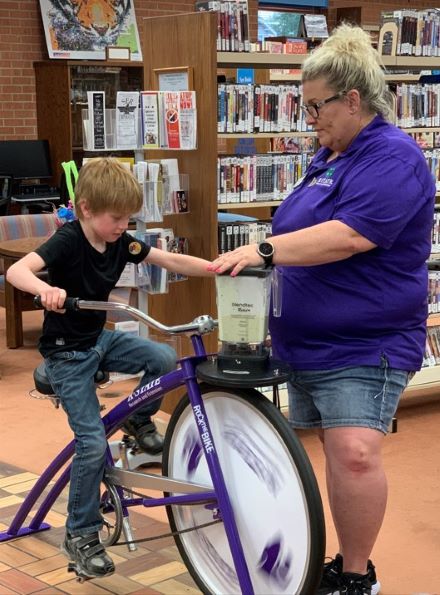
{"points": [[69, 303]]}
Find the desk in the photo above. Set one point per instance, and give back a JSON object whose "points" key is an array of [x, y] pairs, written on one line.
{"points": [[11, 251]]}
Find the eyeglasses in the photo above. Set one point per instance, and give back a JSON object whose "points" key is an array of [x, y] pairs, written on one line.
{"points": [[312, 109]]}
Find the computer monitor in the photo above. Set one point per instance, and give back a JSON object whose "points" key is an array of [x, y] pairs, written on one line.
{"points": [[25, 159]]}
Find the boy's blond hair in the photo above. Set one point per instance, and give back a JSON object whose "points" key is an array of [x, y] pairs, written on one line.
{"points": [[347, 60], [107, 186]]}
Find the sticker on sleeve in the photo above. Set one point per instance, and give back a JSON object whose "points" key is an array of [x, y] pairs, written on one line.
{"points": [[134, 248]]}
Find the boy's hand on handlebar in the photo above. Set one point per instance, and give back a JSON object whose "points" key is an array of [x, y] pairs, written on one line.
{"points": [[237, 260], [53, 299]]}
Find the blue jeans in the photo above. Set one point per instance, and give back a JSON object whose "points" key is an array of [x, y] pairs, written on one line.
{"points": [[71, 374]]}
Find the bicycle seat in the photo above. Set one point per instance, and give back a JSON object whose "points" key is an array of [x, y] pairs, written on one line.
{"points": [[43, 385]]}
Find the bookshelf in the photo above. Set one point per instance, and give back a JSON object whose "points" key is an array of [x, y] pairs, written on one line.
{"points": [[258, 60], [231, 135], [189, 40], [61, 94], [428, 378], [184, 40], [416, 62], [232, 206]]}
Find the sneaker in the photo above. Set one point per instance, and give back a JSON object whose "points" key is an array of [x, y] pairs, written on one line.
{"points": [[147, 437], [332, 573], [355, 584], [331, 576], [88, 555]]}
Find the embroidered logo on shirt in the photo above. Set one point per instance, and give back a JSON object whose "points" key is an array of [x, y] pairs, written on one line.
{"points": [[329, 173], [325, 180], [134, 248]]}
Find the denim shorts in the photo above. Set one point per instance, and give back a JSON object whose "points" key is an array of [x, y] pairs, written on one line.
{"points": [[362, 396]]}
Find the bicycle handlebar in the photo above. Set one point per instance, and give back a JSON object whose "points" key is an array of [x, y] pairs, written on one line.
{"points": [[201, 325]]}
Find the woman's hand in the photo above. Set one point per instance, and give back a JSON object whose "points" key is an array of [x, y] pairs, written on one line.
{"points": [[237, 260]]}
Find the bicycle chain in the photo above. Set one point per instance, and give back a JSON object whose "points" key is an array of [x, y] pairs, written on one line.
{"points": [[171, 533]]}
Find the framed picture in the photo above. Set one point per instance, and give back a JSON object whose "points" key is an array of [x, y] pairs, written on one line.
{"points": [[117, 53], [179, 78], [83, 30]]}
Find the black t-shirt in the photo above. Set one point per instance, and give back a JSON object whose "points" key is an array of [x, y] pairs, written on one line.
{"points": [[75, 265]]}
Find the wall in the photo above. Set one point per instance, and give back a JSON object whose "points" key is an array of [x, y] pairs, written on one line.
{"points": [[22, 42]]}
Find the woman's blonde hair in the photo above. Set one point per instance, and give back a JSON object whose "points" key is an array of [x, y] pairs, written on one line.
{"points": [[347, 60], [107, 186]]}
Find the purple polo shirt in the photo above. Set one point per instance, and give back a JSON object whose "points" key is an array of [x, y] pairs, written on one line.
{"points": [[351, 312]]}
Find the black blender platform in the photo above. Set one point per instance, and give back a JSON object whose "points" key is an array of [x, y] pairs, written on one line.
{"points": [[275, 373]]}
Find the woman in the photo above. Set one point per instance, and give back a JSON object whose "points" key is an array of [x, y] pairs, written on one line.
{"points": [[351, 242]]}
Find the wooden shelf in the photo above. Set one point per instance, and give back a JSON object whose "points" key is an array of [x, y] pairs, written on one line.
{"points": [[258, 59], [425, 378], [278, 77], [250, 205], [264, 134], [408, 77], [266, 60], [421, 129], [420, 62], [396, 78], [433, 320]]}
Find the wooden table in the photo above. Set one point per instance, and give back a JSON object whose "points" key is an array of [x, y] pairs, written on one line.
{"points": [[16, 301]]}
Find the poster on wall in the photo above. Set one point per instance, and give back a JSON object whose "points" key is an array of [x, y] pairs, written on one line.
{"points": [[83, 29]]}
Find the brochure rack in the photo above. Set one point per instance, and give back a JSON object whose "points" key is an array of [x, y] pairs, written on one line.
{"points": [[61, 95]]}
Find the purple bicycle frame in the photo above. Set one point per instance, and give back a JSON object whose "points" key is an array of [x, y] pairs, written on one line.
{"points": [[185, 376]]}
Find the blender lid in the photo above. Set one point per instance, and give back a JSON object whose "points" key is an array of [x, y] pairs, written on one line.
{"points": [[250, 272]]}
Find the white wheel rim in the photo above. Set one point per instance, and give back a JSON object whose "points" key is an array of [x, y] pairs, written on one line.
{"points": [[276, 543]]}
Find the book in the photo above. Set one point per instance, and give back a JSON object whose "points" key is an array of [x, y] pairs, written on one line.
{"points": [[178, 245], [150, 277], [180, 201], [232, 23], [316, 26], [295, 46]]}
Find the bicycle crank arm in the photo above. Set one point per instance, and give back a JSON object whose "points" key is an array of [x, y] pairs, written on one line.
{"points": [[132, 479]]}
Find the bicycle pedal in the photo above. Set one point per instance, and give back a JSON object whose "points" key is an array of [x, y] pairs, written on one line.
{"points": [[80, 576]]}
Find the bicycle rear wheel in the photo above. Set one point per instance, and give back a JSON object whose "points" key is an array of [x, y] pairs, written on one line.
{"points": [[273, 491]]}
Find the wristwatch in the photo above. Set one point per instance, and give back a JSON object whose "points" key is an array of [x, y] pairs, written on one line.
{"points": [[266, 251]]}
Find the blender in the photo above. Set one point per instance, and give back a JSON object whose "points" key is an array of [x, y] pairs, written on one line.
{"points": [[243, 303]]}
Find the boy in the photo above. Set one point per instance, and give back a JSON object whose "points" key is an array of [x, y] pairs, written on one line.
{"points": [[85, 259]]}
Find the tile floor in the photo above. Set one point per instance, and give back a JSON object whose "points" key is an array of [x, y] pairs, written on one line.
{"points": [[34, 564], [31, 433]]}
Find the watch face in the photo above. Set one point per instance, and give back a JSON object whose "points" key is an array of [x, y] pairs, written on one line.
{"points": [[265, 249]]}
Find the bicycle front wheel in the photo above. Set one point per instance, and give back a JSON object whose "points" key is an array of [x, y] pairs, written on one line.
{"points": [[273, 491]]}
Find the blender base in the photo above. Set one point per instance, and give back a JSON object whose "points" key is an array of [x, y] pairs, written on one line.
{"points": [[276, 372]]}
